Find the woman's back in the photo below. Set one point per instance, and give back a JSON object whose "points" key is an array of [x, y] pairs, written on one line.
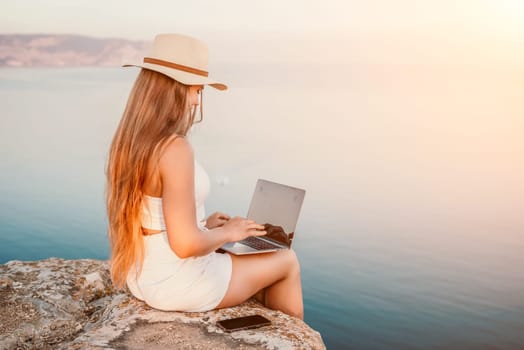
{"points": [[152, 212]]}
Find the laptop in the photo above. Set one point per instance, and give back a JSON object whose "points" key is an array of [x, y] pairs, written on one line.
{"points": [[277, 207]]}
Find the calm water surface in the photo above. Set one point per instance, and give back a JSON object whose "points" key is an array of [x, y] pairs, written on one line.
{"points": [[411, 233]]}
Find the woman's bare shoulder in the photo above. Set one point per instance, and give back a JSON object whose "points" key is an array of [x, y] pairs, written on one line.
{"points": [[178, 150]]}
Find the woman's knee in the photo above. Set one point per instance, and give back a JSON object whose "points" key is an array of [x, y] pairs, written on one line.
{"points": [[292, 261]]}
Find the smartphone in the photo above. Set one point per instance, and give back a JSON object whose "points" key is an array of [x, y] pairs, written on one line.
{"points": [[240, 323]]}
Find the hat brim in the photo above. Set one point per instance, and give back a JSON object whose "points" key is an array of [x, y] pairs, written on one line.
{"points": [[178, 75]]}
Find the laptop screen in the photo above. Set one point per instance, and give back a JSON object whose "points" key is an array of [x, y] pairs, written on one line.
{"points": [[277, 207]]}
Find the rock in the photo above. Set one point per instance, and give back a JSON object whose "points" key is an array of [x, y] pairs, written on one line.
{"points": [[71, 304]]}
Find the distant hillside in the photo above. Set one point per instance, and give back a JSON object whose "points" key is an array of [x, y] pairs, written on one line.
{"points": [[49, 50]]}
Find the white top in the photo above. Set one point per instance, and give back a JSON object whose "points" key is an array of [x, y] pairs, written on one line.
{"points": [[153, 215]]}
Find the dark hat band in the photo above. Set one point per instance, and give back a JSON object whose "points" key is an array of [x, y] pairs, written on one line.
{"points": [[175, 66]]}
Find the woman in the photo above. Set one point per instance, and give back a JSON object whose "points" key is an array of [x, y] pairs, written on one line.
{"points": [[162, 246]]}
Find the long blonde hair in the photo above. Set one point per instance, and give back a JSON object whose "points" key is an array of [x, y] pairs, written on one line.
{"points": [[157, 109]]}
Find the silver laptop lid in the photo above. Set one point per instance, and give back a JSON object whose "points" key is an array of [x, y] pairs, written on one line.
{"points": [[277, 206]]}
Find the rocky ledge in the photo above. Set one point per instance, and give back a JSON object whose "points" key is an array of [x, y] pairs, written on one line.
{"points": [[71, 304]]}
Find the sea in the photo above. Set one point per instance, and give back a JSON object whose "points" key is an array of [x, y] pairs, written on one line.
{"points": [[411, 235]]}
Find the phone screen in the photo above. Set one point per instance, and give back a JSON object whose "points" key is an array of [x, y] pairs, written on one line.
{"points": [[247, 322]]}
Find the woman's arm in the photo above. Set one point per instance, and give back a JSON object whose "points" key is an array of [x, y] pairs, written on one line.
{"points": [[178, 199]]}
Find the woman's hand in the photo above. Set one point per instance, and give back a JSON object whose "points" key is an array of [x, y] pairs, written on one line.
{"points": [[216, 219], [239, 228]]}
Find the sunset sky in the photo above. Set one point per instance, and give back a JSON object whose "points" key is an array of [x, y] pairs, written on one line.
{"points": [[404, 31]]}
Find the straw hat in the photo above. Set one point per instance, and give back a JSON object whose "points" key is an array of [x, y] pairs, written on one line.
{"points": [[180, 57]]}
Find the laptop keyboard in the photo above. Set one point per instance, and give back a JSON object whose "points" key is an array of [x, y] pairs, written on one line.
{"points": [[258, 243]]}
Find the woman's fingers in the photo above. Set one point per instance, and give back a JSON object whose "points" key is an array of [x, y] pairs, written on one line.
{"points": [[256, 229], [254, 225], [222, 216], [249, 226], [257, 232], [249, 221]]}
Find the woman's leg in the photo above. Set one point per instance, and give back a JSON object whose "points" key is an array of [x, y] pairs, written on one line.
{"points": [[278, 273], [260, 296]]}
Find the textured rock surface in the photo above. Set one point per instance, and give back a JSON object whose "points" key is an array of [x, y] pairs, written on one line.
{"points": [[71, 304]]}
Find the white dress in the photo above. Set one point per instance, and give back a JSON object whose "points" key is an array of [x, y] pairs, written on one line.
{"points": [[168, 282]]}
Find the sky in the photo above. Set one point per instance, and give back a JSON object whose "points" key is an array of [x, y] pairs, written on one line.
{"points": [[403, 31]]}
